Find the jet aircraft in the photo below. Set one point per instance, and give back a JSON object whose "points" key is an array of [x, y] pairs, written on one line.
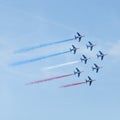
{"points": [[96, 67], [90, 45], [78, 72], [84, 59], [101, 55], [89, 80], [79, 36], [74, 49]]}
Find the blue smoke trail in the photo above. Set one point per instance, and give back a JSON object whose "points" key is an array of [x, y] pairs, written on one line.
{"points": [[39, 58], [42, 45]]}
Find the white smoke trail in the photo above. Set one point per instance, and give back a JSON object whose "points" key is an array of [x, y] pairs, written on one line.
{"points": [[60, 65]]}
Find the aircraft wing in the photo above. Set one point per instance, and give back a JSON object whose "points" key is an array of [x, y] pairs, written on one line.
{"points": [[73, 47], [74, 51], [85, 61], [84, 56], [96, 65], [78, 34], [91, 48], [77, 70], [89, 78], [100, 52], [97, 70], [90, 83], [102, 57], [78, 74], [89, 42], [79, 39]]}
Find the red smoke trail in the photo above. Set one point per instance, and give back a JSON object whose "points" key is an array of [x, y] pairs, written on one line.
{"points": [[73, 84], [48, 79]]}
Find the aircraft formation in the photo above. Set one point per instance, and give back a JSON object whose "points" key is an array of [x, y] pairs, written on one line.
{"points": [[90, 46], [85, 59]]}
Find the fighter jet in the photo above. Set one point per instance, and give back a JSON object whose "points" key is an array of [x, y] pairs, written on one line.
{"points": [[96, 68], [89, 80], [90, 45], [74, 49], [79, 36], [101, 55], [78, 72], [84, 59]]}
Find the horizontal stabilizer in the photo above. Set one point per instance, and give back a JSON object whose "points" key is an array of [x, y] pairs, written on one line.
{"points": [[75, 37], [98, 56], [87, 46], [93, 68]]}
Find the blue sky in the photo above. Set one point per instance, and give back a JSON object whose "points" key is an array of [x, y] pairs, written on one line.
{"points": [[29, 23]]}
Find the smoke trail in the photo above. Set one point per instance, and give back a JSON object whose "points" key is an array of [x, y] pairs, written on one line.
{"points": [[49, 79], [43, 45], [39, 58], [73, 84], [60, 65]]}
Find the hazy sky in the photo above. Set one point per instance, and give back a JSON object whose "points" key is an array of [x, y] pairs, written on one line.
{"points": [[28, 23]]}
